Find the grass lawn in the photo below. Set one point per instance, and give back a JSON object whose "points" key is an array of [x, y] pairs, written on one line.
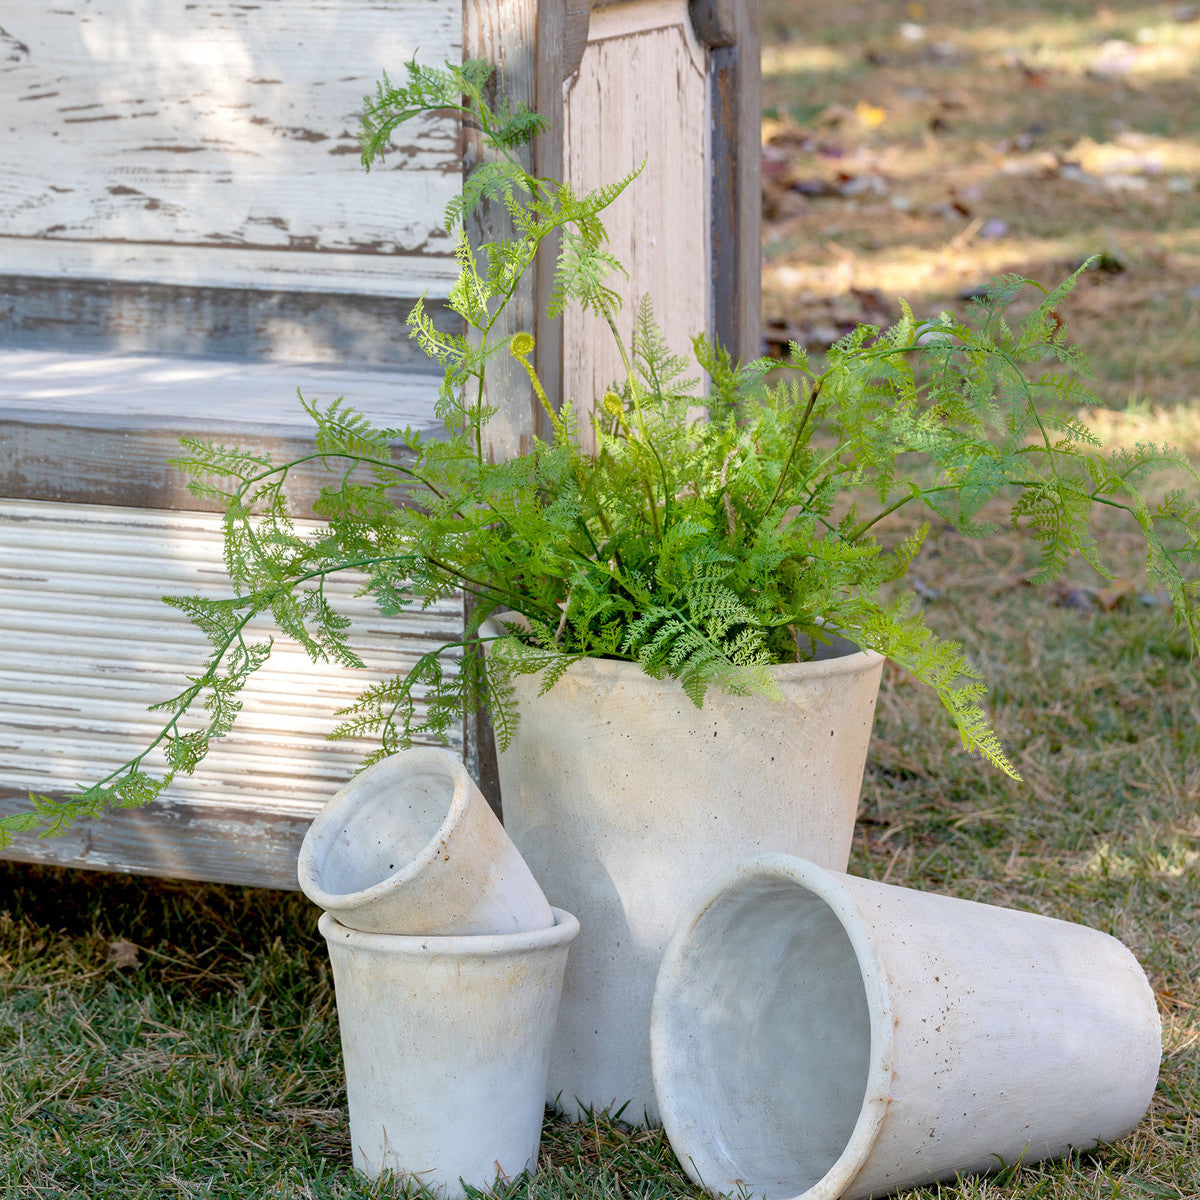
{"points": [[178, 1040]]}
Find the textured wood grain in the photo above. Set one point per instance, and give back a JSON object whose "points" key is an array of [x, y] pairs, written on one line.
{"points": [[109, 317], [641, 96], [195, 395], [76, 677], [193, 144], [730, 28], [177, 839], [506, 34], [100, 429]]}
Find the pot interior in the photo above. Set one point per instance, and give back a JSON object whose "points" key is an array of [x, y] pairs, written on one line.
{"points": [[768, 1040], [390, 824]]}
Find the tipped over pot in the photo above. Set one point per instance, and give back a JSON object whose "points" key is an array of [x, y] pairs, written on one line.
{"points": [[410, 846], [820, 1036]]}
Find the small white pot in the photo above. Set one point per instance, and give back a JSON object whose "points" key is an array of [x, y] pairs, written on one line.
{"points": [[626, 799], [821, 1036], [446, 1042], [410, 846]]}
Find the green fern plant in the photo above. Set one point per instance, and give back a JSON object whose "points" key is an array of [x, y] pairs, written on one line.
{"points": [[703, 551]]}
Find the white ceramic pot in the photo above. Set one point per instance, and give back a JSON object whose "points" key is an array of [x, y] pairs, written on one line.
{"points": [[446, 1042], [821, 1036], [625, 799], [410, 846]]}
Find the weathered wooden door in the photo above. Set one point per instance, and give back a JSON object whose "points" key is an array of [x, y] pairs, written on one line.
{"points": [[186, 237]]}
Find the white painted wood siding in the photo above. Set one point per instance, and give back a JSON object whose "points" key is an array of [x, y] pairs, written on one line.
{"points": [[198, 396], [86, 644], [215, 143]]}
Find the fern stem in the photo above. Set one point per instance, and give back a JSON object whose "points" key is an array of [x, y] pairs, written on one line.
{"points": [[795, 445], [284, 468], [891, 508]]}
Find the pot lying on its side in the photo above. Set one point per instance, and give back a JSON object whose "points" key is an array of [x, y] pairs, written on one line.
{"points": [[411, 846], [625, 799], [821, 1036], [446, 1043]]}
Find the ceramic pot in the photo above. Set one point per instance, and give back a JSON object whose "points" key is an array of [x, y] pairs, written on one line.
{"points": [[625, 799], [446, 1042], [821, 1036], [410, 846]]}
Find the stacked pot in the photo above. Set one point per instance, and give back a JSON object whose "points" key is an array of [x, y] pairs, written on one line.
{"points": [[799, 1032], [447, 965]]}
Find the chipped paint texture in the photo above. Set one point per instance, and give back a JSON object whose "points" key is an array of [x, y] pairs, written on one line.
{"points": [[137, 139]]}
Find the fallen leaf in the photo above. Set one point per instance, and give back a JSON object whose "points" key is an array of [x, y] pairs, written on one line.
{"points": [[869, 115], [122, 954], [1109, 597]]}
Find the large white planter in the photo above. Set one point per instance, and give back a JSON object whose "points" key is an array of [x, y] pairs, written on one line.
{"points": [[625, 799], [411, 846], [821, 1036], [446, 1042]]}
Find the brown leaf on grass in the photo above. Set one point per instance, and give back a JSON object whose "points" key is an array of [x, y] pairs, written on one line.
{"points": [[816, 322], [122, 954], [1116, 593]]}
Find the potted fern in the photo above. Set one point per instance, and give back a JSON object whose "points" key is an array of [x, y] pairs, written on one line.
{"points": [[677, 622]]}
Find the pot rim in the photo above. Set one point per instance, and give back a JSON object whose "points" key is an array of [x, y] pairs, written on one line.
{"points": [[826, 887], [855, 660], [561, 933], [316, 843]]}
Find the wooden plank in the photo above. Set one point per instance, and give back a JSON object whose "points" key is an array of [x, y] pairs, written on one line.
{"points": [[730, 28], [641, 95], [209, 138], [198, 395], [506, 34], [369, 273], [76, 677], [109, 317], [218, 843], [99, 429]]}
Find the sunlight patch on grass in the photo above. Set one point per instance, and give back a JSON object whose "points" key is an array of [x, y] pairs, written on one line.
{"points": [[792, 58]]}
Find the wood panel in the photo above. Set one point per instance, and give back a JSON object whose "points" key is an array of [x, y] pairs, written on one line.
{"points": [[195, 395], [109, 317], [99, 429], [88, 644], [641, 95], [731, 30], [216, 143]]}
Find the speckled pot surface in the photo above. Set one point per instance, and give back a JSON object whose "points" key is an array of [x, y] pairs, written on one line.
{"points": [[625, 800], [823, 1037], [410, 846], [446, 1042]]}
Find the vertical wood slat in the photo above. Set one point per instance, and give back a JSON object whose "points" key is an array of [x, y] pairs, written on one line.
{"points": [[641, 96], [731, 30], [87, 645]]}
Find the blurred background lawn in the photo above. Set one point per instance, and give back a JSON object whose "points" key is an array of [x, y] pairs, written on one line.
{"points": [[161, 1039]]}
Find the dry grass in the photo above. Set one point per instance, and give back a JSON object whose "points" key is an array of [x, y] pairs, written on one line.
{"points": [[209, 1066], [917, 152]]}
